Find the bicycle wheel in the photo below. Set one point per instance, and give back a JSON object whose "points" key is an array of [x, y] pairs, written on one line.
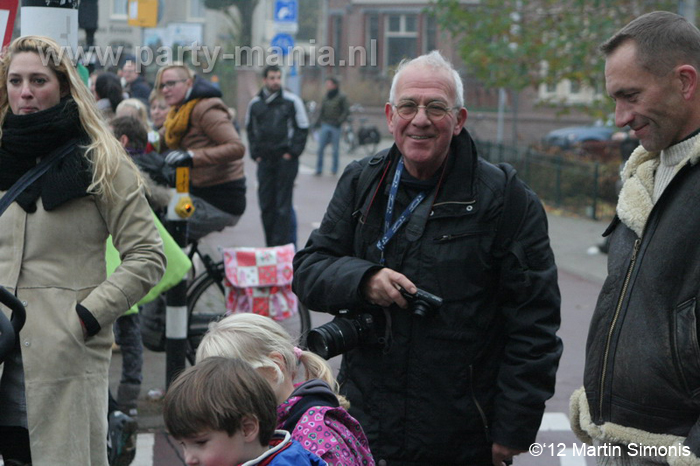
{"points": [[206, 303]]}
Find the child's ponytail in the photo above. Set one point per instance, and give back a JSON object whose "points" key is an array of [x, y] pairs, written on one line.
{"points": [[318, 368]]}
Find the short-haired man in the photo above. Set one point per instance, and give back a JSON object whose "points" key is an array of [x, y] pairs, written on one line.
{"points": [[277, 127], [641, 395], [134, 84], [465, 384]]}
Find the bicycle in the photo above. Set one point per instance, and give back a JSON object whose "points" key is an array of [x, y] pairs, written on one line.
{"points": [[206, 303], [367, 137]]}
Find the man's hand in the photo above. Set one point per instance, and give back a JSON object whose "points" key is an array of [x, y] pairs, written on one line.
{"points": [[382, 288], [179, 158], [501, 454], [287, 156]]}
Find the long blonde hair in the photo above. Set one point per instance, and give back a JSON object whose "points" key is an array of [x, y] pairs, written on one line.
{"points": [[104, 152], [253, 338]]}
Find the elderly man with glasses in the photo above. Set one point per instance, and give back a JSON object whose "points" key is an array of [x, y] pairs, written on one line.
{"points": [[460, 380]]}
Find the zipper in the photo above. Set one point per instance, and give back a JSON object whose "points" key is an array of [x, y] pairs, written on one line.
{"points": [[618, 308], [478, 406], [449, 237]]}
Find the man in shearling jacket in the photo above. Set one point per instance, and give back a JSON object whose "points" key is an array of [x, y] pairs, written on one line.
{"points": [[641, 395]]}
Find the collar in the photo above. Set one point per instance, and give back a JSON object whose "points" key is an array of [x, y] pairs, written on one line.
{"points": [[636, 196]]}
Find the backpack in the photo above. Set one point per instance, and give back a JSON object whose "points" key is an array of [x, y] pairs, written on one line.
{"points": [[259, 280]]}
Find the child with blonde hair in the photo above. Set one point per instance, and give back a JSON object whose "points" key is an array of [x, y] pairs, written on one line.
{"points": [[134, 108], [223, 414], [311, 410]]}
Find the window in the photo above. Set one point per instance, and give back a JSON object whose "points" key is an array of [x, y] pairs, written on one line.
{"points": [[197, 9], [337, 37], [119, 7], [372, 30], [431, 31], [401, 38], [575, 86]]}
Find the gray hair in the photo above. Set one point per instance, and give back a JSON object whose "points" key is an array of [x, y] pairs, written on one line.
{"points": [[663, 39], [436, 61]]}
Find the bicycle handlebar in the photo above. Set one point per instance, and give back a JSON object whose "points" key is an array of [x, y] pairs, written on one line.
{"points": [[9, 329]]}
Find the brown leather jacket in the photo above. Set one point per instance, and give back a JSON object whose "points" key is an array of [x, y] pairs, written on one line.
{"points": [[218, 150]]}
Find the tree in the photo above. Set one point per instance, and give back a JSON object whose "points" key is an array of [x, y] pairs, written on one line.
{"points": [[242, 22], [517, 44]]}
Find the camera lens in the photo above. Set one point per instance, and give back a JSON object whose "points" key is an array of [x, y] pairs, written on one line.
{"points": [[421, 308], [333, 338]]}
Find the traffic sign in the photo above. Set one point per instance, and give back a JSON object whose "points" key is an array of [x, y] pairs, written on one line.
{"points": [[282, 43], [286, 11], [144, 13]]}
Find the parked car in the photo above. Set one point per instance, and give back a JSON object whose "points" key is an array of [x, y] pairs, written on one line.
{"points": [[576, 136]]}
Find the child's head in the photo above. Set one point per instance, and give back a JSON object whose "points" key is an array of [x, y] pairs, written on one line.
{"points": [[159, 109], [136, 135], [264, 344], [133, 108], [221, 406]]}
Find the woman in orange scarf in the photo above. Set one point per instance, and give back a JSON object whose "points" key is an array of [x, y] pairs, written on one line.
{"points": [[199, 132]]}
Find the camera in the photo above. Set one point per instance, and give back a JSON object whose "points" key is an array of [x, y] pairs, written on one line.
{"points": [[343, 334], [421, 302], [347, 331]]}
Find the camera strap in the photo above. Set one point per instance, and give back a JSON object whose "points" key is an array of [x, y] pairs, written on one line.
{"points": [[389, 228]]}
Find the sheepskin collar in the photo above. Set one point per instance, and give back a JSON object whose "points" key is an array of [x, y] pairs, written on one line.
{"points": [[635, 202]]}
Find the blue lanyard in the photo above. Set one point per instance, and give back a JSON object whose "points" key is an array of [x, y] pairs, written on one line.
{"points": [[389, 229]]}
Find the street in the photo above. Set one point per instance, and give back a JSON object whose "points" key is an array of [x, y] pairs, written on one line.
{"points": [[580, 278]]}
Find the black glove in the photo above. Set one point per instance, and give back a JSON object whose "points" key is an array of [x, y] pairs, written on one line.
{"points": [[179, 158]]}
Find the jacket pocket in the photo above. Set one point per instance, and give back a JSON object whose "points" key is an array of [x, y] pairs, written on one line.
{"points": [[686, 347], [460, 263]]}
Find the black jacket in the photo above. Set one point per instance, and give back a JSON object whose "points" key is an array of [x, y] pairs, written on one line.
{"points": [[139, 89], [642, 357], [477, 371], [276, 126]]}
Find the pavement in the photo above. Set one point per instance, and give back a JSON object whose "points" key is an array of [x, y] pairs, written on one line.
{"points": [[573, 240]]}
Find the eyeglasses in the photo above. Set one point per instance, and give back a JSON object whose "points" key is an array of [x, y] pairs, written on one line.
{"points": [[434, 111], [170, 84]]}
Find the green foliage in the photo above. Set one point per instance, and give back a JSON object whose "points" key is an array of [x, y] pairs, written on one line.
{"points": [[518, 44]]}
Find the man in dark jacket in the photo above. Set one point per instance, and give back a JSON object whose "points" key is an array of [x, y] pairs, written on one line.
{"points": [[277, 127], [334, 112], [134, 84], [641, 391], [465, 384]]}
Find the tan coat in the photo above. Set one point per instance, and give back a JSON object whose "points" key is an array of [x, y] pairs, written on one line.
{"points": [[218, 150], [53, 260]]}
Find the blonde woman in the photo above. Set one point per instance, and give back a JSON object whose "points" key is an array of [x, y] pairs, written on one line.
{"points": [[53, 387], [312, 411], [199, 132]]}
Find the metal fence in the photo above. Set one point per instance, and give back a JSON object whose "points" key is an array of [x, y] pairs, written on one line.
{"points": [[586, 188]]}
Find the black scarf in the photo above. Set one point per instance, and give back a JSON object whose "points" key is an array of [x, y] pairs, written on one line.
{"points": [[28, 138]]}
